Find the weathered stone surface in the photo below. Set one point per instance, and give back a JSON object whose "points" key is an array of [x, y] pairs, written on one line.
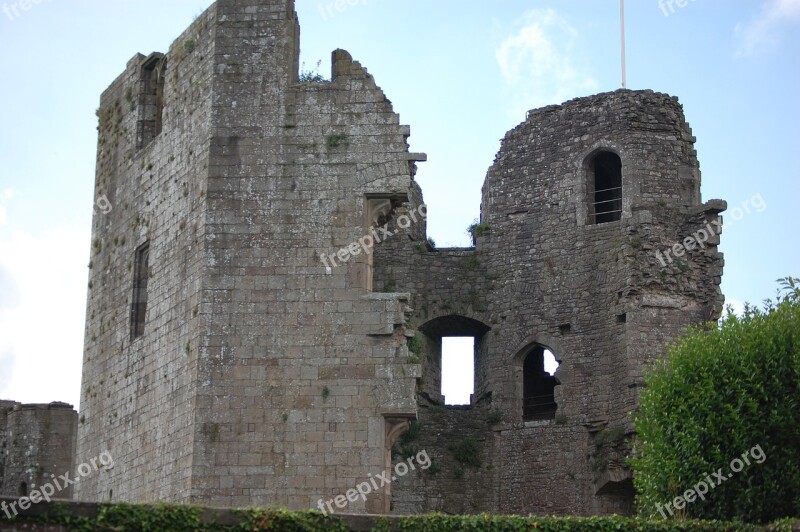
{"points": [[261, 377], [37, 443], [274, 365], [541, 273]]}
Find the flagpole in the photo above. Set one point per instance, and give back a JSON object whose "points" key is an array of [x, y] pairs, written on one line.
{"points": [[622, 41]]}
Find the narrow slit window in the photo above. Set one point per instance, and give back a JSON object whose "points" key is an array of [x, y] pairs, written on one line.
{"points": [[606, 198], [141, 274]]}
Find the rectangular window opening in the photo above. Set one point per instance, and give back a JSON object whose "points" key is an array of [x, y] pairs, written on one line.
{"points": [[458, 369], [151, 100], [141, 274]]}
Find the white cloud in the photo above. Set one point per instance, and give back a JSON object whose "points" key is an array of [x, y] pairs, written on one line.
{"points": [[537, 63], [42, 307], [762, 31]]}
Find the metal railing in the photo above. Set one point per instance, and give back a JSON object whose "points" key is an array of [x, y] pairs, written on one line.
{"points": [[607, 212], [538, 407]]}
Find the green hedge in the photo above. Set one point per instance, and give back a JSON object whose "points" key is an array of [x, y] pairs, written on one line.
{"points": [[121, 517], [447, 523], [725, 393]]}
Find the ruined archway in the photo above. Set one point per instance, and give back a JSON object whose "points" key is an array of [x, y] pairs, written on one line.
{"points": [[452, 325], [536, 380]]}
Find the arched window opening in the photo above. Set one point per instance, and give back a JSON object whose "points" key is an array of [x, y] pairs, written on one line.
{"points": [[453, 351], [458, 369], [23, 489], [606, 188], [151, 100], [539, 382]]}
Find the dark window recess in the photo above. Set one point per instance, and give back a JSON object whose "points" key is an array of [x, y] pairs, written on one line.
{"points": [[23, 489], [151, 100], [538, 400], [606, 201], [141, 274]]}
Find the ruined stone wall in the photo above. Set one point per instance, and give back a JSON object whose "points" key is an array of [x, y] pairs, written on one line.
{"points": [[594, 294], [305, 370], [137, 394], [464, 472], [274, 365], [263, 376], [5, 407], [38, 442]]}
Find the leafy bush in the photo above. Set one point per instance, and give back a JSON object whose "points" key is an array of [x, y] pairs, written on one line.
{"points": [[504, 523], [176, 518], [722, 392]]}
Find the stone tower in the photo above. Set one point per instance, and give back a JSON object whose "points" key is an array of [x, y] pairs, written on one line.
{"points": [[255, 290], [573, 255], [224, 362], [37, 442]]}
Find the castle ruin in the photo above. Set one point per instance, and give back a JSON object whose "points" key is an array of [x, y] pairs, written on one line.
{"points": [[246, 344]]}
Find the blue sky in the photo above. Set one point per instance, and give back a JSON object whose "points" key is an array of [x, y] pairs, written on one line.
{"points": [[461, 73]]}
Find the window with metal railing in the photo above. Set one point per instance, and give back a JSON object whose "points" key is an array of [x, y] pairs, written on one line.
{"points": [[539, 382], [605, 198]]}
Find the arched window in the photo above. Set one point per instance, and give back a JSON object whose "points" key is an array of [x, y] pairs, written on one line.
{"points": [[605, 188], [151, 100], [538, 384], [23, 489], [453, 351]]}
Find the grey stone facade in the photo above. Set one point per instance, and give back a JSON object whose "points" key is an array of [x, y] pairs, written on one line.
{"points": [[234, 358], [542, 274], [37, 442]]}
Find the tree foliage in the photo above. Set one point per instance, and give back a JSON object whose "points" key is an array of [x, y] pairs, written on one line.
{"points": [[720, 392]]}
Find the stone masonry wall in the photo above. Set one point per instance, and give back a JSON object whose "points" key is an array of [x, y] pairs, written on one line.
{"points": [[137, 395], [262, 376], [5, 407], [305, 371], [38, 442], [596, 295], [275, 367]]}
